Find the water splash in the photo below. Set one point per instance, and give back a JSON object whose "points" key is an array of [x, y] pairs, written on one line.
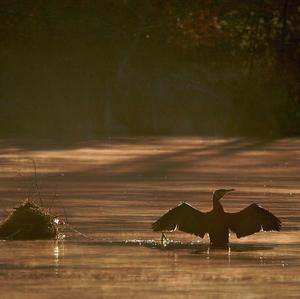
{"points": [[196, 246], [166, 244]]}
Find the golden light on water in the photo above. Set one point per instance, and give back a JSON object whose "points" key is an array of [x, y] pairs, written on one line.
{"points": [[112, 190]]}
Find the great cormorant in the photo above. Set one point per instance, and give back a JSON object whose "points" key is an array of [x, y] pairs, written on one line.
{"points": [[217, 222]]}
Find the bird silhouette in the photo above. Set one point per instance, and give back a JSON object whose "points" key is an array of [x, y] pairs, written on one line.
{"points": [[217, 222]]}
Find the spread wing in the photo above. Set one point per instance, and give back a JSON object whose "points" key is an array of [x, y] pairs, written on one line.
{"points": [[184, 218], [252, 220]]}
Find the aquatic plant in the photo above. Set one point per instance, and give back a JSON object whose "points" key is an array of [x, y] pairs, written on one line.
{"points": [[29, 221]]}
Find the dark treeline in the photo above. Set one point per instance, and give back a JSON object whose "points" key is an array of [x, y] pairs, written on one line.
{"points": [[78, 68]]}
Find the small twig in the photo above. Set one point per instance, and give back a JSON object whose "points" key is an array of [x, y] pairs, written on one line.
{"points": [[64, 210], [20, 174], [55, 195], [66, 222], [35, 187], [78, 232], [13, 234], [61, 206], [36, 182]]}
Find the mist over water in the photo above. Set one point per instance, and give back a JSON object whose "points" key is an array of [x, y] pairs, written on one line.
{"points": [[79, 80], [113, 189]]}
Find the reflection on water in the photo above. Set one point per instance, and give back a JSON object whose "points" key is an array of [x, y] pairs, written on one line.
{"points": [[78, 269], [58, 254], [112, 190]]}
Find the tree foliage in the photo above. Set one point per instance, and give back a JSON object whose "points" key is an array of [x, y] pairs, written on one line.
{"points": [[149, 67]]}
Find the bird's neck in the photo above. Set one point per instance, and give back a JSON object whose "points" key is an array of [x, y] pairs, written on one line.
{"points": [[217, 205]]}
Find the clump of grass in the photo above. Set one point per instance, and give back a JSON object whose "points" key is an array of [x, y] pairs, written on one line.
{"points": [[29, 221]]}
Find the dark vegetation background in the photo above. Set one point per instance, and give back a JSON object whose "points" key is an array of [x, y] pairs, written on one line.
{"points": [[90, 68]]}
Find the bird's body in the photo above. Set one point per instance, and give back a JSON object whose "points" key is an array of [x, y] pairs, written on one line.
{"points": [[217, 222], [218, 227]]}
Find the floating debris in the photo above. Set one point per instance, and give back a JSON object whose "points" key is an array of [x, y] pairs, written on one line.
{"points": [[28, 221]]}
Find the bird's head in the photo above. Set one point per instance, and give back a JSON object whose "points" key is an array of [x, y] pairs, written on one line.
{"points": [[218, 194]]}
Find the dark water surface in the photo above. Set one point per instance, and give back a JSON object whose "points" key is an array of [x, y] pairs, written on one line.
{"points": [[112, 190]]}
